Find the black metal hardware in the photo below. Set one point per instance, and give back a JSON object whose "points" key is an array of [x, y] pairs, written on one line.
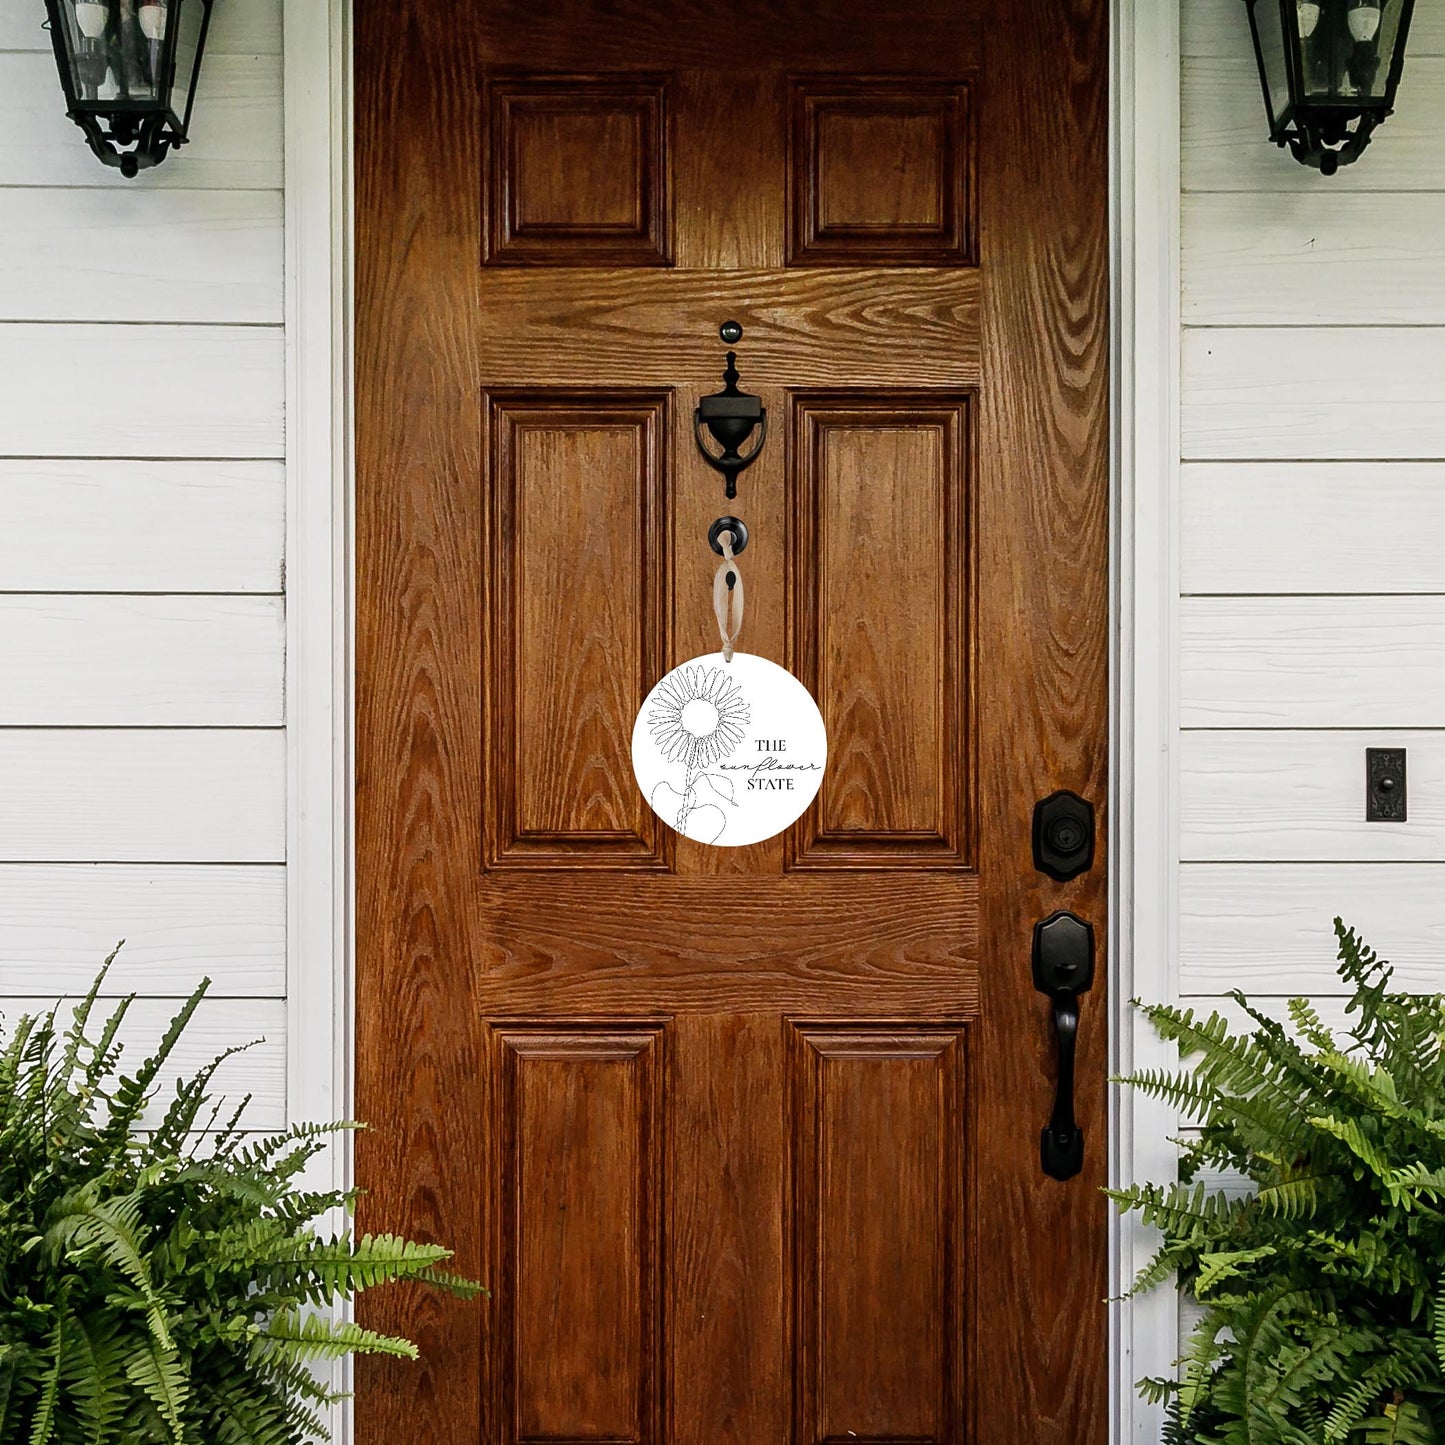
{"points": [[736, 526], [731, 416], [129, 73], [1063, 964], [1063, 835], [1385, 799], [1329, 70]]}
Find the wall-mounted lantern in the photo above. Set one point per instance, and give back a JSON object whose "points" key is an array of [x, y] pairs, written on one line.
{"points": [[129, 68], [1330, 69]]}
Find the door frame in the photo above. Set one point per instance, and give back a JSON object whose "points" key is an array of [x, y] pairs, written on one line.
{"points": [[1144, 592]]}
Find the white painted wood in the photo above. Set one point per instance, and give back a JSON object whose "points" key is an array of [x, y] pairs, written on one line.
{"points": [[318, 698], [217, 391], [238, 27], [1326, 392], [76, 254], [1221, 28], [1225, 144], [1300, 797], [1268, 928], [87, 795], [1296, 260], [188, 526], [1312, 662], [218, 1024], [1143, 843], [180, 924], [1280, 527], [320, 1022], [83, 661], [235, 134]]}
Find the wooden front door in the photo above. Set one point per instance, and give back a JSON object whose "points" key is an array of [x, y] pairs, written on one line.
{"points": [[745, 1142]]}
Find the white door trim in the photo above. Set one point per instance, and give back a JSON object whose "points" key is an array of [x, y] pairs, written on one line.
{"points": [[1144, 850], [319, 774], [1144, 216]]}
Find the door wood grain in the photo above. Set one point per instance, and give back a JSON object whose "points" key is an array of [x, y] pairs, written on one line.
{"points": [[745, 1141]]}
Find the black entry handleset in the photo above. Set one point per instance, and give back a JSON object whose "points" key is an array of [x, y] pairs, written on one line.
{"points": [[1063, 823], [1063, 966]]}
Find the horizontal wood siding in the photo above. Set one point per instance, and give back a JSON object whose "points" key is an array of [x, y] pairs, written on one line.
{"points": [[1313, 392], [142, 661], [1311, 521], [179, 923], [142, 616], [169, 256], [189, 526], [1312, 662], [141, 391], [1268, 260], [1324, 527], [1263, 929]]}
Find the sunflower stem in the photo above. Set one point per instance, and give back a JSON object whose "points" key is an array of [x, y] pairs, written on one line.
{"points": [[689, 790]]}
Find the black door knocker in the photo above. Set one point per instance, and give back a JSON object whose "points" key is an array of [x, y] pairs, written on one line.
{"points": [[731, 416]]}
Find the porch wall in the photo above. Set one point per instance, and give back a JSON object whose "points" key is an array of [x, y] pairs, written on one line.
{"points": [[1312, 527], [142, 518]]}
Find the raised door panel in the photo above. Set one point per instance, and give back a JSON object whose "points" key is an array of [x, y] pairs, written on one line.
{"points": [[880, 576], [578, 172], [879, 1233], [576, 1339], [880, 173], [578, 548]]}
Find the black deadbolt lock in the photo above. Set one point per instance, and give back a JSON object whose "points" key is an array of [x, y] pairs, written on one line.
{"points": [[1063, 835]]}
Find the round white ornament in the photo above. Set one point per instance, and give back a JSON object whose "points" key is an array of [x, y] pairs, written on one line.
{"points": [[729, 753]]}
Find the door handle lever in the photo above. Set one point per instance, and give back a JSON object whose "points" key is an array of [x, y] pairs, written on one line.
{"points": [[1063, 963]]}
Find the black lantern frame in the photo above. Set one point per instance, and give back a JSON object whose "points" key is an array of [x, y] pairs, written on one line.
{"points": [[130, 69], [1329, 70]]}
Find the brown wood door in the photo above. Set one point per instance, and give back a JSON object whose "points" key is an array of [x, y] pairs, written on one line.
{"points": [[744, 1141]]}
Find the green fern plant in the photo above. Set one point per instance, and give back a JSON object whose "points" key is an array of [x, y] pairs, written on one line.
{"points": [[164, 1282], [1322, 1284]]}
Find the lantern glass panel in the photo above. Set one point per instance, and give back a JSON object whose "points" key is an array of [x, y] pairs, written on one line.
{"points": [[1345, 57], [1268, 19], [190, 25], [115, 62]]}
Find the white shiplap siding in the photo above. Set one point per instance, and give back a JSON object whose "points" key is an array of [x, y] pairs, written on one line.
{"points": [[1312, 514], [142, 523]]}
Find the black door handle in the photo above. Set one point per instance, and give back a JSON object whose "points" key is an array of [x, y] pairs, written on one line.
{"points": [[1063, 969]]}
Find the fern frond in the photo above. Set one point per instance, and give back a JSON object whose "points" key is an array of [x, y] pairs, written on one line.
{"points": [[313, 1337], [1292, 1199], [42, 1426], [1306, 1019], [114, 1228], [158, 1372], [132, 1094]]}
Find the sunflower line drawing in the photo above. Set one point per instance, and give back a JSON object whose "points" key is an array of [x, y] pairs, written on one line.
{"points": [[697, 719]]}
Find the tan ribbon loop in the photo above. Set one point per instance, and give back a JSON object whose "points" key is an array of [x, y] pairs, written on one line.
{"points": [[727, 601]]}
